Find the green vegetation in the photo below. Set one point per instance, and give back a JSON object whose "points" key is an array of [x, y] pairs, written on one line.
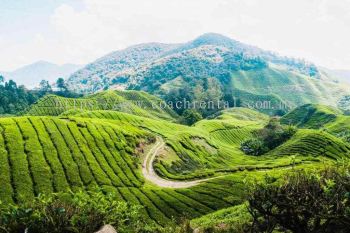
{"points": [[191, 116], [235, 219], [82, 150], [327, 118], [212, 67], [294, 89], [268, 138], [311, 116], [15, 99], [82, 153], [303, 202], [75, 212], [137, 103]]}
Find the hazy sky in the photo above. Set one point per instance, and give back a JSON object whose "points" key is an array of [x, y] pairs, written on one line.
{"points": [[79, 31]]}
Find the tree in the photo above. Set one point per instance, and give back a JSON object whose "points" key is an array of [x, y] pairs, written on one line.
{"points": [[191, 116], [45, 86], [14, 99], [253, 147], [268, 138], [2, 80], [60, 83], [11, 85]]}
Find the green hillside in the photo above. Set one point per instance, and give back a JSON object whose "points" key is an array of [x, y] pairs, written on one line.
{"points": [[328, 118], [314, 143], [81, 154], [293, 88], [311, 116], [209, 147], [137, 103], [84, 149]]}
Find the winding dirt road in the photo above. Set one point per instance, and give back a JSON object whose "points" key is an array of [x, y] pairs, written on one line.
{"points": [[151, 175]]}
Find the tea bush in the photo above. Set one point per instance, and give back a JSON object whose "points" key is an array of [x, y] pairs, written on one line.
{"points": [[75, 212]]}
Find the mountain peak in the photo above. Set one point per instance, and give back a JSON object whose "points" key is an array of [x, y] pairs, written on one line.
{"points": [[214, 39]]}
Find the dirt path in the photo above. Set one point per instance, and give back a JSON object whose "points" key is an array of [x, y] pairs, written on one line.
{"points": [[151, 175]]}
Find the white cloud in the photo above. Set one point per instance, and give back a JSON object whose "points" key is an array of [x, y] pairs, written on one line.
{"points": [[316, 29]]}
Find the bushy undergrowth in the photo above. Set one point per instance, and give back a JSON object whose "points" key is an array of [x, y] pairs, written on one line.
{"points": [[298, 202], [303, 202], [268, 138], [76, 212]]}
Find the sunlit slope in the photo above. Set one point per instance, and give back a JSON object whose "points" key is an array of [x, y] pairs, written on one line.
{"points": [[325, 118], [42, 155], [292, 88], [311, 116], [314, 143], [134, 102]]}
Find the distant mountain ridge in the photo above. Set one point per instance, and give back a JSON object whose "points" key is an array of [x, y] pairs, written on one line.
{"points": [[31, 75], [214, 65], [106, 70]]}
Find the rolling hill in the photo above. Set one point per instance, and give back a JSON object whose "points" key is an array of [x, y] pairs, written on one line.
{"points": [[311, 116], [326, 118], [137, 103], [213, 67]]}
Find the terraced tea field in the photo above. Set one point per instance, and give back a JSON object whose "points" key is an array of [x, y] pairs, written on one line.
{"points": [[201, 167], [45, 155], [137, 103]]}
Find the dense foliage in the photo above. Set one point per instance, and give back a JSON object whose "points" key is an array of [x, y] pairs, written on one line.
{"points": [[191, 116], [303, 202], [14, 98], [192, 65], [268, 138]]}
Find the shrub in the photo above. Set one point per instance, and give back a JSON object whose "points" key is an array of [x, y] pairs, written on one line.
{"points": [[191, 116], [77, 212], [253, 147], [303, 202]]}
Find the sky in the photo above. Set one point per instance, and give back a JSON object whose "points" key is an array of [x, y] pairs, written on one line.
{"points": [[80, 31]]}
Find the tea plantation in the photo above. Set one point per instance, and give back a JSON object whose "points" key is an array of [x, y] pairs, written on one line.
{"points": [[50, 150]]}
